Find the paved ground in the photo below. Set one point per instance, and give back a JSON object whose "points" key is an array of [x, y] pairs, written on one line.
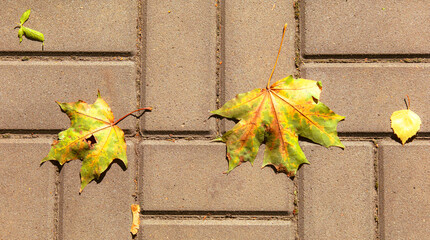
{"points": [[186, 58]]}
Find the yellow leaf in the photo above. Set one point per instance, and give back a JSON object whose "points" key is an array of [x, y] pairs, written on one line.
{"points": [[405, 124]]}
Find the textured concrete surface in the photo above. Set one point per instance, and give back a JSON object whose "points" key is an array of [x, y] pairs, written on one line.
{"points": [[217, 229], [181, 58], [27, 190], [337, 192], [29, 91], [365, 27], [405, 190], [180, 66], [251, 46], [102, 210], [189, 176], [72, 26], [367, 94]]}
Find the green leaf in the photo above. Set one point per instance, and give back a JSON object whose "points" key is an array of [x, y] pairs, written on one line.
{"points": [[277, 116], [33, 34], [20, 33], [93, 137], [25, 16]]}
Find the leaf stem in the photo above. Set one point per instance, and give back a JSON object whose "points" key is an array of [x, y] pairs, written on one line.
{"points": [[277, 57], [409, 102], [140, 109]]}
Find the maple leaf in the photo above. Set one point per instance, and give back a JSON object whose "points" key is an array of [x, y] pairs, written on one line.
{"points": [[277, 116], [93, 137], [405, 123]]}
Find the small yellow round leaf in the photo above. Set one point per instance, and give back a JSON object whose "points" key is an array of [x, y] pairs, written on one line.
{"points": [[405, 124]]}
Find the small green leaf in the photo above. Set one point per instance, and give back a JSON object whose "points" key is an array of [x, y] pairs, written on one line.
{"points": [[33, 34], [25, 16], [20, 33]]}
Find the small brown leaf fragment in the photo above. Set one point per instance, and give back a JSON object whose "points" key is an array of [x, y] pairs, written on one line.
{"points": [[135, 210]]}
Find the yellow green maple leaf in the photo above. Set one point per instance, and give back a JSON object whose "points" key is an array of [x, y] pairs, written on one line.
{"points": [[93, 137], [276, 116]]}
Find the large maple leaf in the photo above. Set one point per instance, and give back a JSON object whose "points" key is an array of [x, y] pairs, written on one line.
{"points": [[93, 137], [277, 116]]}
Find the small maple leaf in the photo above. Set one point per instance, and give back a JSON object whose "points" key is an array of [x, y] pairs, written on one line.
{"points": [[405, 123], [93, 137], [277, 116]]}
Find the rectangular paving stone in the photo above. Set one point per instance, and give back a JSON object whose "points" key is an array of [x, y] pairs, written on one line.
{"points": [[180, 66], [102, 210], [404, 190], [367, 94], [72, 26], [27, 190], [251, 46], [337, 192], [29, 91], [365, 27], [188, 176], [217, 229]]}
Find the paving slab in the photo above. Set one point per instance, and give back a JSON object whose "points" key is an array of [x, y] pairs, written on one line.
{"points": [[405, 190], [367, 94], [180, 66], [29, 91], [365, 27], [217, 229], [102, 210], [252, 33], [251, 46], [27, 190], [337, 192], [72, 26], [188, 176]]}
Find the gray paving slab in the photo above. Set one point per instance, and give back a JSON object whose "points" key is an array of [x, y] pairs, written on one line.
{"points": [[72, 26], [29, 91], [180, 66], [365, 27], [217, 229], [27, 190], [253, 31], [188, 176], [102, 210], [337, 192], [367, 94], [405, 190], [252, 34]]}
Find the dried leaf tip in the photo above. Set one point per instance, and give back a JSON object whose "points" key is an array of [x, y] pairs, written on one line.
{"points": [[135, 210]]}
